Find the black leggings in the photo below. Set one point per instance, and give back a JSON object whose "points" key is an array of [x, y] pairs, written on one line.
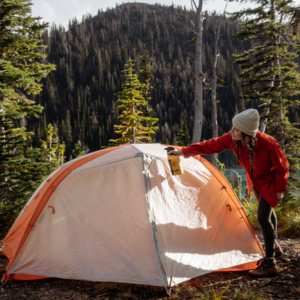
{"points": [[268, 222]]}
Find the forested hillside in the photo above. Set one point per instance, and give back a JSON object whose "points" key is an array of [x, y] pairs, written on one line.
{"points": [[90, 55]]}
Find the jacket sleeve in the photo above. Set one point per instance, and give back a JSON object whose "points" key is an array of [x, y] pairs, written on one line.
{"points": [[280, 162], [212, 146]]}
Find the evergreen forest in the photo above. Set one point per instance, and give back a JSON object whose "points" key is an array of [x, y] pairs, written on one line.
{"points": [[79, 97], [127, 75]]}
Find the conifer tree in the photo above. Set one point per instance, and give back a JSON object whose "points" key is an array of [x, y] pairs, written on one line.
{"points": [[22, 168], [145, 76], [268, 71], [183, 137], [67, 134], [130, 102], [20, 51], [52, 150], [269, 74], [79, 149]]}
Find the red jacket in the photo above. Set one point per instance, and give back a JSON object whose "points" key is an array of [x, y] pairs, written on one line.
{"points": [[270, 165]]}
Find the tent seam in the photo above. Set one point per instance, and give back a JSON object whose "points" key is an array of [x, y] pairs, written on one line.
{"points": [[105, 164], [153, 223]]}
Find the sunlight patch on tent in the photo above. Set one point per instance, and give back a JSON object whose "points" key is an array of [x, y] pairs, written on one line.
{"points": [[213, 262]]}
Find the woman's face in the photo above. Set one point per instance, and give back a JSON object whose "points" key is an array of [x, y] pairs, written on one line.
{"points": [[236, 134]]}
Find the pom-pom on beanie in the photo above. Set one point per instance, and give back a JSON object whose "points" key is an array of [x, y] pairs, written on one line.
{"points": [[247, 121]]}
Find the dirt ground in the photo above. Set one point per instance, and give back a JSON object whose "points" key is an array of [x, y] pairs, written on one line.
{"points": [[284, 286]]}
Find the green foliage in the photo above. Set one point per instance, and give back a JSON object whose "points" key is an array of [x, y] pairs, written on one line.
{"points": [[246, 293], [89, 75], [183, 137], [22, 167], [221, 167], [269, 74], [79, 149], [145, 75], [67, 133], [291, 223], [219, 295], [52, 150], [288, 215], [250, 208], [133, 126], [20, 51]]}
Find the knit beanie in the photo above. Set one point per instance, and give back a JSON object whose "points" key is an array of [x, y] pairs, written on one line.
{"points": [[247, 121]]}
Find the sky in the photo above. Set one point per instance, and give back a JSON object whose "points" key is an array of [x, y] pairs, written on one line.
{"points": [[61, 11]]}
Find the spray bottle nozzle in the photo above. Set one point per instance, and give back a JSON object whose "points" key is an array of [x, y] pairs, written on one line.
{"points": [[169, 149]]}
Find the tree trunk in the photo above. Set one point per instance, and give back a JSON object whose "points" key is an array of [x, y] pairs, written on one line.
{"points": [[198, 76], [214, 114], [279, 118], [263, 125], [277, 83]]}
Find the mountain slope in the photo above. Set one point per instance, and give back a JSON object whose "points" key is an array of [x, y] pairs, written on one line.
{"points": [[90, 57]]}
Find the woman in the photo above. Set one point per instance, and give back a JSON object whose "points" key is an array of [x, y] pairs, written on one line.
{"points": [[267, 172]]}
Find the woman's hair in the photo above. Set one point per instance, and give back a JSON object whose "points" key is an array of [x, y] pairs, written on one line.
{"points": [[250, 146]]}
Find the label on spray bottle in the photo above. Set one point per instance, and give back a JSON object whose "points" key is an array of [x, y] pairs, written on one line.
{"points": [[174, 162]]}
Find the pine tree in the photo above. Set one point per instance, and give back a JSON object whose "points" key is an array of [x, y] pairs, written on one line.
{"points": [[20, 52], [183, 137], [79, 149], [97, 65], [131, 101], [145, 76], [268, 71], [68, 134], [22, 168], [269, 74], [52, 150]]}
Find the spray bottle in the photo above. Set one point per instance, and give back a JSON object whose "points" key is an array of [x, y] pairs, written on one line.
{"points": [[174, 162]]}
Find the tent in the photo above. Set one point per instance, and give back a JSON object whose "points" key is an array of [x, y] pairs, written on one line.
{"points": [[118, 215]]}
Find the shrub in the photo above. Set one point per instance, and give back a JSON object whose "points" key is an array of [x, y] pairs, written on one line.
{"points": [[291, 223], [250, 208]]}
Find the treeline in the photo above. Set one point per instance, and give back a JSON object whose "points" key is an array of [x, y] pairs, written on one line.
{"points": [[79, 97]]}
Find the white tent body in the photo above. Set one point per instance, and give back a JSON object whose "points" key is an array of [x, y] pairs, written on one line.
{"points": [[122, 217]]}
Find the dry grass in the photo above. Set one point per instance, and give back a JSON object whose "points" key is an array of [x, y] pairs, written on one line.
{"points": [[246, 293], [183, 292], [291, 224]]}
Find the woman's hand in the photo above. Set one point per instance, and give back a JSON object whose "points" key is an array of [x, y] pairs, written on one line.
{"points": [[175, 152], [279, 196]]}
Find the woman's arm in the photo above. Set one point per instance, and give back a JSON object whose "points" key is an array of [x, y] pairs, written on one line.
{"points": [[212, 146]]}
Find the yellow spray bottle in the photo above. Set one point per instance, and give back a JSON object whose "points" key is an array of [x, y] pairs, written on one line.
{"points": [[174, 162]]}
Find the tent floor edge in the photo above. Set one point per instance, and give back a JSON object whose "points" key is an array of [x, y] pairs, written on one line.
{"points": [[5, 278]]}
